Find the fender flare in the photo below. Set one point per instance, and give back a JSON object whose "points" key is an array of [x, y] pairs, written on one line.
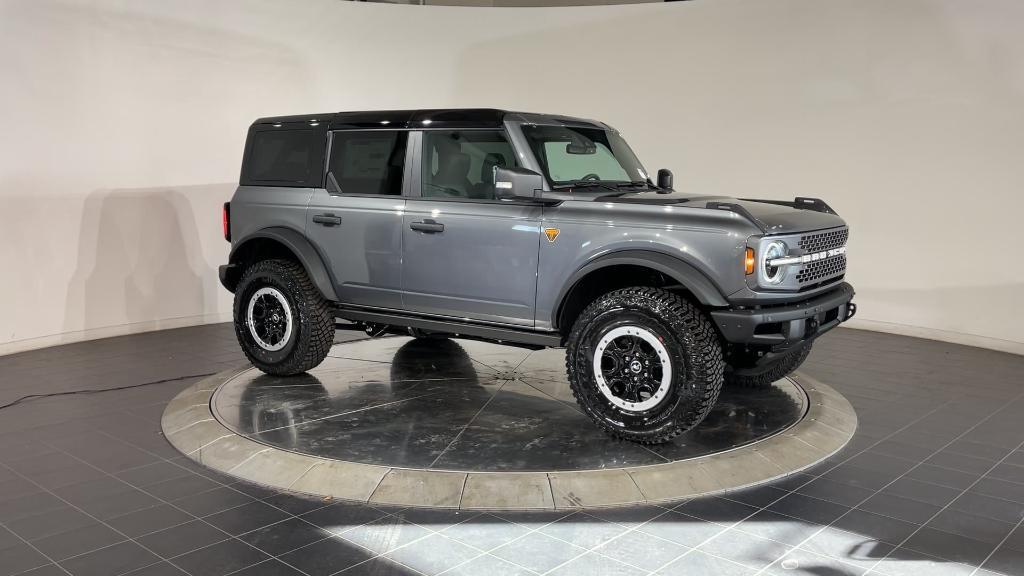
{"points": [[306, 253], [686, 274]]}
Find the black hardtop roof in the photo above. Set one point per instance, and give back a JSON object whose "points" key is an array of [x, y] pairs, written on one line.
{"points": [[432, 118]]}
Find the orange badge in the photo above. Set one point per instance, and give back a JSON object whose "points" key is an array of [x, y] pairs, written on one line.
{"points": [[551, 233]]}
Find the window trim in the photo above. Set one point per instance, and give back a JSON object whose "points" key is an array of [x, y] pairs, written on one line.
{"points": [[416, 185], [309, 182], [403, 189]]}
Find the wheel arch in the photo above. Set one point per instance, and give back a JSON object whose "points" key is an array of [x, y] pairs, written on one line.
{"points": [[628, 268], [284, 243]]}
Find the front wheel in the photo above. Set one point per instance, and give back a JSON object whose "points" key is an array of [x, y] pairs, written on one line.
{"points": [[283, 324], [644, 364]]}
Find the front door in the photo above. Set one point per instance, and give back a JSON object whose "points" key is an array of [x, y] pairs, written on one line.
{"points": [[466, 254], [356, 222]]}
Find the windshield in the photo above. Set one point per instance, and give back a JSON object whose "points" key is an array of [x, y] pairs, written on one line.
{"points": [[575, 156]]}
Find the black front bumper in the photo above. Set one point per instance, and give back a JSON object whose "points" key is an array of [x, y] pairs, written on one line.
{"points": [[785, 325]]}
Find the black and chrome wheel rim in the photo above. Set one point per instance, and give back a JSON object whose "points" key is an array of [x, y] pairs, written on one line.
{"points": [[269, 318], [632, 368]]}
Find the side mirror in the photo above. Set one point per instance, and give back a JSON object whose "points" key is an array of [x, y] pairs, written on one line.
{"points": [[665, 179], [517, 184]]}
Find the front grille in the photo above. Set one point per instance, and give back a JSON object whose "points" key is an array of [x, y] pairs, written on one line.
{"points": [[820, 271], [822, 241]]}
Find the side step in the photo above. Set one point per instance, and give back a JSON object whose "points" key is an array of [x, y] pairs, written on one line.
{"points": [[481, 331]]}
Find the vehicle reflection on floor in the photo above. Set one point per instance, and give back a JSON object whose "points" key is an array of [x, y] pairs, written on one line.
{"points": [[466, 405]]}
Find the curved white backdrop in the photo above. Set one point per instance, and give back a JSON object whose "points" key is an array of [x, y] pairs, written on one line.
{"points": [[123, 125]]}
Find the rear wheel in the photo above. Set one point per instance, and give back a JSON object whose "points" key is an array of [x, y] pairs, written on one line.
{"points": [[283, 324], [773, 372], [644, 364]]}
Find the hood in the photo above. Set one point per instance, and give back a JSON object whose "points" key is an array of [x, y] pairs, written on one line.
{"points": [[782, 219], [772, 216]]}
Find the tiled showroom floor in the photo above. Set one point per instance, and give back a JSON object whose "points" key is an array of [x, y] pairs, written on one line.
{"points": [[933, 483]]}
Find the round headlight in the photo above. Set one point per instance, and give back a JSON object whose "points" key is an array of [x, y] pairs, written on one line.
{"points": [[770, 274]]}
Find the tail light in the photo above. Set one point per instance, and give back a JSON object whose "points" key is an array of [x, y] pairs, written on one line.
{"points": [[226, 221]]}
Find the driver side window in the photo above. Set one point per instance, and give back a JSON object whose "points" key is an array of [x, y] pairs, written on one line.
{"points": [[460, 163]]}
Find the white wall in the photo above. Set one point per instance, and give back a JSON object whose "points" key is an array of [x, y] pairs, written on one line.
{"points": [[124, 122]]}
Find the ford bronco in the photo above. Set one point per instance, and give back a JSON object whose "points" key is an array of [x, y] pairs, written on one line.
{"points": [[533, 230]]}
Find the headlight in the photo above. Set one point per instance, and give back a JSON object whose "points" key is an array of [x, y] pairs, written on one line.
{"points": [[773, 275]]}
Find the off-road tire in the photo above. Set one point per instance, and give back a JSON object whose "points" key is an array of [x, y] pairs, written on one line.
{"points": [[694, 352], [780, 369], [313, 320]]}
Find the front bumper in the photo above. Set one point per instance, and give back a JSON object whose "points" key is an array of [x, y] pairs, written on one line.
{"points": [[782, 326]]}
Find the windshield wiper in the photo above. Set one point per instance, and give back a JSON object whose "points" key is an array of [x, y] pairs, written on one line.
{"points": [[633, 184], [584, 184]]}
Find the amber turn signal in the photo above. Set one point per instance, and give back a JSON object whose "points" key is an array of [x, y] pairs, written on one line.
{"points": [[748, 262]]}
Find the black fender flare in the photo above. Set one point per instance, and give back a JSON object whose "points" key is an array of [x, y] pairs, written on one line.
{"points": [[686, 274], [306, 253]]}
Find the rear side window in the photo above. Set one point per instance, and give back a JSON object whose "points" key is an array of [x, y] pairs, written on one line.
{"points": [[284, 158], [367, 162]]}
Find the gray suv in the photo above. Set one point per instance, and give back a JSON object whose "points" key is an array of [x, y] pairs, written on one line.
{"points": [[532, 230]]}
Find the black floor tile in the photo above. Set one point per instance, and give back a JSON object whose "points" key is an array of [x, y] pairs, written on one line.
{"points": [[182, 487], [327, 557], [50, 523], [110, 561], [269, 568], [148, 520], [961, 462], [949, 546], [943, 476], [809, 509], [1006, 561], [987, 506], [682, 529], [922, 491], [1010, 472], [338, 518], [971, 525], [900, 508], [158, 569], [538, 552], [47, 570], [219, 559], [28, 505], [78, 541], [876, 526], [182, 538], [378, 567], [433, 554], [213, 501], [285, 536], [843, 494], [20, 558], [246, 518]]}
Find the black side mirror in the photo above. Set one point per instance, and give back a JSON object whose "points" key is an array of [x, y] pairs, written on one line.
{"points": [[517, 184], [665, 179]]}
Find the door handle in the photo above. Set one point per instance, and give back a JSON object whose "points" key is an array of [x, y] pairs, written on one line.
{"points": [[428, 226], [327, 219]]}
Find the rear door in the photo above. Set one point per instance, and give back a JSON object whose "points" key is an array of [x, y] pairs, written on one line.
{"points": [[356, 220], [466, 254]]}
